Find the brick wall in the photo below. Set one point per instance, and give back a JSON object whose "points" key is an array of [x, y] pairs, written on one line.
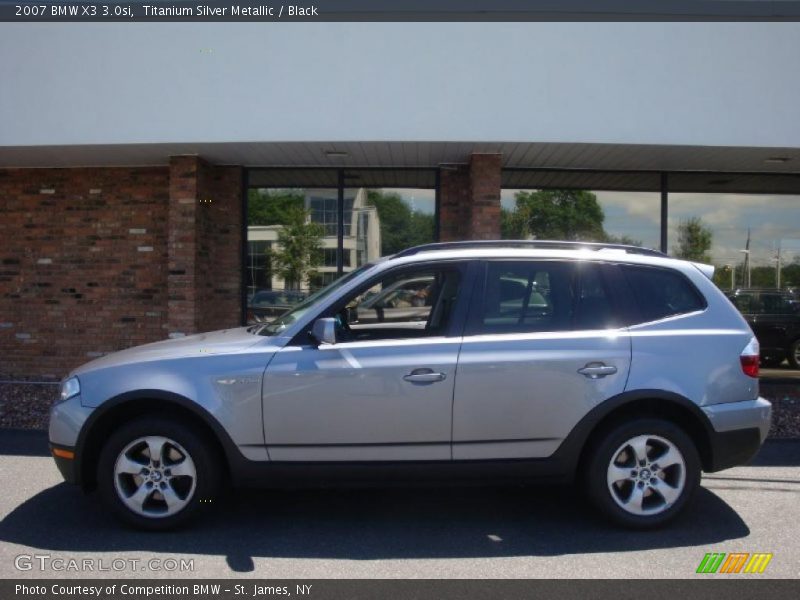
{"points": [[94, 260], [82, 265]]}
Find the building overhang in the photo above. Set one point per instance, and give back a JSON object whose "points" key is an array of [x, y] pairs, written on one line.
{"points": [[635, 167]]}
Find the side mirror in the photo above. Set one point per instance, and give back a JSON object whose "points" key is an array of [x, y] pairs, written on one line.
{"points": [[324, 330]]}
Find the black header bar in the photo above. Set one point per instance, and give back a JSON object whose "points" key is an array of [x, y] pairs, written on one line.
{"points": [[367, 589], [402, 10]]}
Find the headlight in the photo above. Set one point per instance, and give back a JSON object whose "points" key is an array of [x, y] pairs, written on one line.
{"points": [[69, 388]]}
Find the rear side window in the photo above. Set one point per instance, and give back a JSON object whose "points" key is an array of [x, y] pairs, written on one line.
{"points": [[662, 293], [775, 304], [531, 296]]}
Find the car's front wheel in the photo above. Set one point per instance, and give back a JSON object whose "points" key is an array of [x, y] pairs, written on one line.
{"points": [[642, 472], [156, 473]]}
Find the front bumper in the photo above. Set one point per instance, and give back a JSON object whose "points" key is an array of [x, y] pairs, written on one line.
{"points": [[738, 430], [66, 463], [66, 420]]}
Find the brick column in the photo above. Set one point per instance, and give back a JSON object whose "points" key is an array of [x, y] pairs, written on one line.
{"points": [[469, 199], [485, 185], [454, 200], [204, 246], [182, 242], [219, 269]]}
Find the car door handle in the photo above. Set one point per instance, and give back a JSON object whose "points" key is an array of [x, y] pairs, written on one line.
{"points": [[424, 376], [596, 370]]}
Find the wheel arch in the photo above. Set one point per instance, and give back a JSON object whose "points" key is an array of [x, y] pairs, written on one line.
{"points": [[130, 405], [641, 403]]}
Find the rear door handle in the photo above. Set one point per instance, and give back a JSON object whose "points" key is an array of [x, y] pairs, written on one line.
{"points": [[596, 370], [424, 376]]}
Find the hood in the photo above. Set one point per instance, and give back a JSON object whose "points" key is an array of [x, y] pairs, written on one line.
{"points": [[224, 341]]}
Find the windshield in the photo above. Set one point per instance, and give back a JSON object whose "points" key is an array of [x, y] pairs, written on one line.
{"points": [[291, 316]]}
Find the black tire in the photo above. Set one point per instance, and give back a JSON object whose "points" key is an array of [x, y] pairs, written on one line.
{"points": [[202, 451], [791, 355], [601, 453]]}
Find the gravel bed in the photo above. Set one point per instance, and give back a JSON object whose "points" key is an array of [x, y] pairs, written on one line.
{"points": [[785, 398], [25, 406]]}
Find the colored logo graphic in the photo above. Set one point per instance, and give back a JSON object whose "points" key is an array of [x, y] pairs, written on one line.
{"points": [[736, 562]]}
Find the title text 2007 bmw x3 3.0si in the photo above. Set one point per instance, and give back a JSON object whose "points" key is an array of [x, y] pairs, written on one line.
{"points": [[616, 366]]}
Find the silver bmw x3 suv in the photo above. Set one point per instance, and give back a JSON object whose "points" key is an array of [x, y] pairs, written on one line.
{"points": [[614, 366]]}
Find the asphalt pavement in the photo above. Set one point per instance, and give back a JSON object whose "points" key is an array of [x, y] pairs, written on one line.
{"points": [[442, 532]]}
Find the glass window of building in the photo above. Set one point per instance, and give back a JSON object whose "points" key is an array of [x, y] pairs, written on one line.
{"points": [[753, 240], [388, 220], [582, 215], [293, 243]]}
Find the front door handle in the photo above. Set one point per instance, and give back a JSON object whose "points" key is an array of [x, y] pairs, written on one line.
{"points": [[596, 370], [424, 376]]}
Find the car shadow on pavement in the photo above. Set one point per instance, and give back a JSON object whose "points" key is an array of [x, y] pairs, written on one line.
{"points": [[778, 453], [23, 442], [368, 524]]}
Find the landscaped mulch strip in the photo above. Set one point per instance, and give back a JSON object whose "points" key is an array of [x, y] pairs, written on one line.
{"points": [[26, 406]]}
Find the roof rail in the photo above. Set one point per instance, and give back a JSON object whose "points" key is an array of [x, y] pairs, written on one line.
{"points": [[529, 244]]}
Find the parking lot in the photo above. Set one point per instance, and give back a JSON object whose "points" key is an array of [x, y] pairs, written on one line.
{"points": [[414, 533]]}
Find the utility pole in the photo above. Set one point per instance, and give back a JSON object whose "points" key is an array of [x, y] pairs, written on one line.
{"points": [[747, 259], [778, 267]]}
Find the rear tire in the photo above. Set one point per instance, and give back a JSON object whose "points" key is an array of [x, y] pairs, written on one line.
{"points": [[642, 473], [771, 361], [156, 473], [793, 355]]}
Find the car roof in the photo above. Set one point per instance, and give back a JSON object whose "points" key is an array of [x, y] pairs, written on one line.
{"points": [[528, 245], [538, 249]]}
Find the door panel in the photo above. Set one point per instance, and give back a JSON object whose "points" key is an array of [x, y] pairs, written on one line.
{"points": [[519, 396], [544, 346], [350, 401]]}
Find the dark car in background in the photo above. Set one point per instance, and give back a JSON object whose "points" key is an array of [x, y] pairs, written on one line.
{"points": [[266, 305], [774, 316]]}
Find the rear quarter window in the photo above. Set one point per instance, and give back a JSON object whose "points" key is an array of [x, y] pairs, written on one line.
{"points": [[661, 293]]}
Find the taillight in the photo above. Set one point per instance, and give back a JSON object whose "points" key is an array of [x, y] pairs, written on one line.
{"points": [[749, 358]]}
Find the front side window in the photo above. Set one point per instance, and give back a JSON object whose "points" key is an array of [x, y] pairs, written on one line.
{"points": [[662, 293], [289, 318], [411, 303], [530, 296], [744, 302]]}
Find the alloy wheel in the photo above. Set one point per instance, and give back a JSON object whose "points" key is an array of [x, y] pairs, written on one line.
{"points": [[646, 475], [155, 476]]}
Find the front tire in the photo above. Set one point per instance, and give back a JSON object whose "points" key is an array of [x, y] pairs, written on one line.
{"points": [[157, 473], [642, 473]]}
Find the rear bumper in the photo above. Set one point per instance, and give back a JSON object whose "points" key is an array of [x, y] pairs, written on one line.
{"points": [[739, 429]]}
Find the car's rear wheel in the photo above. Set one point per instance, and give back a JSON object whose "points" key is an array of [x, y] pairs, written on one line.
{"points": [[157, 473], [794, 354], [642, 472], [771, 361]]}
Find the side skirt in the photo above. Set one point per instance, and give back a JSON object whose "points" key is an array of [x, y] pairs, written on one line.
{"points": [[305, 475]]}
